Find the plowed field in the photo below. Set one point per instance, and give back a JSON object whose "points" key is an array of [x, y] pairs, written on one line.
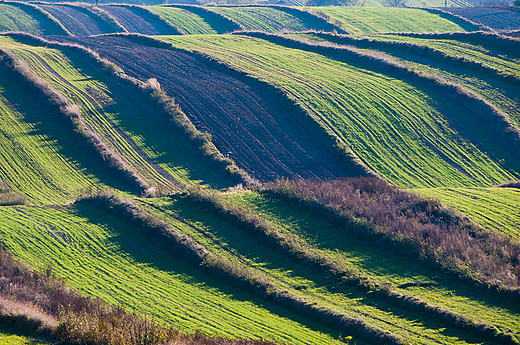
{"points": [[134, 22], [495, 17], [76, 21], [247, 123]]}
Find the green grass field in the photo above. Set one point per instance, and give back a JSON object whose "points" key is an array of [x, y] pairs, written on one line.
{"points": [[126, 123], [265, 18], [15, 19], [39, 159], [9, 338], [188, 22], [493, 208], [406, 133], [359, 20], [102, 256]]}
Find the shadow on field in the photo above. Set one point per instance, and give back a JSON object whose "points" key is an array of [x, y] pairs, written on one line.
{"points": [[146, 251], [57, 133], [227, 236]]}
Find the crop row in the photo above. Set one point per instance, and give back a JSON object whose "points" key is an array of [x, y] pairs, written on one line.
{"points": [[386, 122]]}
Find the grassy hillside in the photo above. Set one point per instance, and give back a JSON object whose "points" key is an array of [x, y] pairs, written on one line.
{"points": [[359, 20], [493, 208], [269, 19], [41, 158], [396, 149], [15, 19], [103, 256], [117, 116], [189, 22]]}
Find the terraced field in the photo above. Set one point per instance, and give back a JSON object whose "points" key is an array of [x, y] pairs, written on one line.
{"points": [[77, 20], [103, 256], [359, 20], [15, 19], [374, 139], [270, 19], [188, 21], [118, 117], [497, 18], [40, 159], [251, 261], [248, 123]]}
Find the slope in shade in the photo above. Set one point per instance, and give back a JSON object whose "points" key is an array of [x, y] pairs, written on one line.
{"points": [[247, 123], [39, 156], [129, 125], [77, 21], [134, 22], [497, 18], [15, 19]]}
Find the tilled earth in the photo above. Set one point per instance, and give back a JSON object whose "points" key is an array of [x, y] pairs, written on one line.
{"points": [[134, 22], [247, 122]]}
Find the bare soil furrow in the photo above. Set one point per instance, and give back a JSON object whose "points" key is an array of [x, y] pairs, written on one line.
{"points": [[247, 123], [134, 22], [76, 21]]}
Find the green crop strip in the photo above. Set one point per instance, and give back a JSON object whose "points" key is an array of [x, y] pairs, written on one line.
{"points": [[8, 338], [495, 59], [493, 208], [397, 129], [125, 124], [379, 263], [227, 239], [102, 256], [38, 157], [264, 18], [188, 22], [501, 94], [15, 19], [383, 19]]}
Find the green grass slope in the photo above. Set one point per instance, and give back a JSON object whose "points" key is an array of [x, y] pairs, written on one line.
{"points": [[40, 158], [268, 19], [187, 21], [493, 208], [404, 132], [359, 20], [127, 124], [15, 19], [100, 255], [8, 338]]}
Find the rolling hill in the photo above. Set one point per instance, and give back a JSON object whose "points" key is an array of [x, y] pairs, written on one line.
{"points": [[293, 183]]}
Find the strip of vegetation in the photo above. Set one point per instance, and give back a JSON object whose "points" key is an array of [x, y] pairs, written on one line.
{"points": [[8, 197], [146, 13], [39, 303], [424, 51], [508, 133], [235, 273], [372, 209], [510, 184], [490, 40], [306, 118], [59, 104], [35, 9], [166, 106], [306, 15], [231, 24], [298, 250]]}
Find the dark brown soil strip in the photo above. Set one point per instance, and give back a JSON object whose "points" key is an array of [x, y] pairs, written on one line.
{"points": [[250, 125], [78, 22], [134, 21]]}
